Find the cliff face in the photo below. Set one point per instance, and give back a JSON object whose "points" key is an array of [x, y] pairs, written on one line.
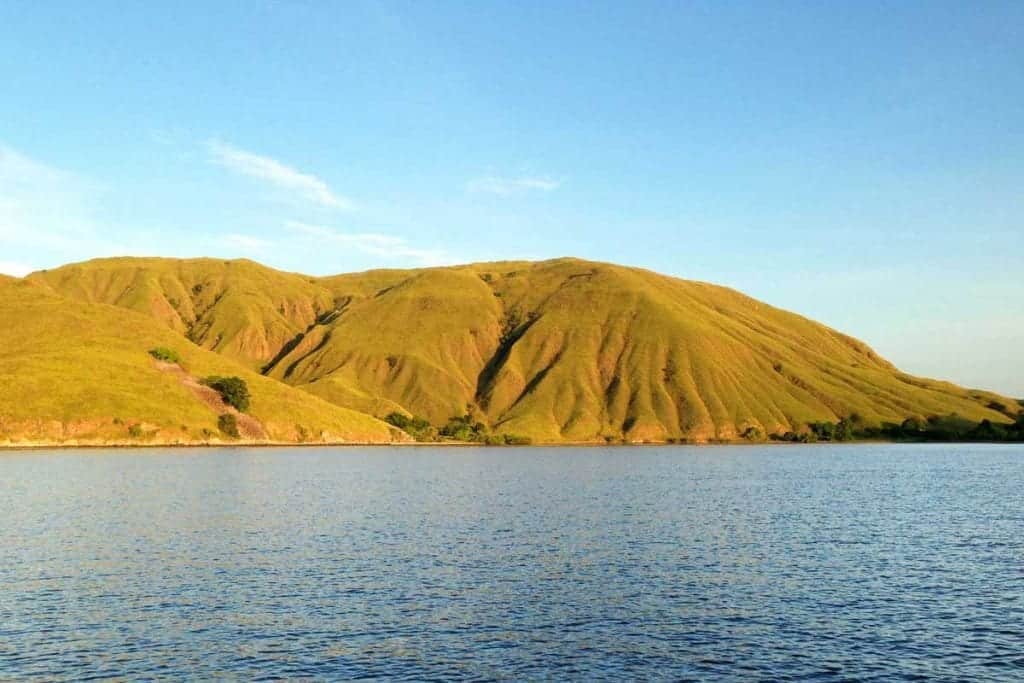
{"points": [[562, 350]]}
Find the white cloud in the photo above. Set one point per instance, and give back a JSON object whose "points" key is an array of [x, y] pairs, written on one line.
{"points": [[246, 242], [304, 185], [14, 268], [507, 186], [43, 208], [376, 244]]}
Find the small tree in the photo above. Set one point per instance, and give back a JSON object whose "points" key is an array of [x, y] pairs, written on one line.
{"points": [[228, 424], [823, 431], [162, 353], [843, 430], [416, 427], [233, 390], [463, 428], [398, 420], [912, 427], [753, 433]]}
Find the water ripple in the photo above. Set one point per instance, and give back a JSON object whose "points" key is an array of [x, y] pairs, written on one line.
{"points": [[789, 564]]}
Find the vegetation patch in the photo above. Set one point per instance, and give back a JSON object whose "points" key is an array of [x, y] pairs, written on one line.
{"points": [[162, 353], [416, 427], [464, 428], [228, 425], [938, 428], [233, 390], [951, 427], [508, 440]]}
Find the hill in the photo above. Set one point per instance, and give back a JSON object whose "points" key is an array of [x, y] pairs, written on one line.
{"points": [[562, 350], [78, 372]]}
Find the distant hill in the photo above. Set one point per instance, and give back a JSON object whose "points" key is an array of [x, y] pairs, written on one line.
{"points": [[561, 350], [79, 372]]}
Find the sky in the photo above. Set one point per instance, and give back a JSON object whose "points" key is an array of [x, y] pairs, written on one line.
{"points": [[860, 163]]}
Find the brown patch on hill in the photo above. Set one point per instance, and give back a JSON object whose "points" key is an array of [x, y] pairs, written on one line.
{"points": [[248, 426]]}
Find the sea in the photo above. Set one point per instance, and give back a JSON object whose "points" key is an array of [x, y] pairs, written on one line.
{"points": [[775, 563]]}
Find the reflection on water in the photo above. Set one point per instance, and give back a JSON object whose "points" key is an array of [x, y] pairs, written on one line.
{"points": [[743, 562]]}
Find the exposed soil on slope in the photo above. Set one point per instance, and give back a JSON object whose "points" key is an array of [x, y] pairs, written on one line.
{"points": [[248, 426]]}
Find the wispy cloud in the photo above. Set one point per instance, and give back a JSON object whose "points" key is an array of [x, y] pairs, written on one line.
{"points": [[14, 268], [507, 186], [388, 246], [304, 185], [44, 208]]}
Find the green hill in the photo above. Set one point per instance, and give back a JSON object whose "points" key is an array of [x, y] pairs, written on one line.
{"points": [[78, 372], [562, 350]]}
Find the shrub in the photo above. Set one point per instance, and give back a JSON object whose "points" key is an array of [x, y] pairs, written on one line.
{"points": [[986, 431], [135, 431], [950, 427], [228, 424], [398, 420], [165, 354], [753, 433], [506, 440], [233, 390], [823, 430], [912, 427], [843, 430], [462, 428], [416, 427]]}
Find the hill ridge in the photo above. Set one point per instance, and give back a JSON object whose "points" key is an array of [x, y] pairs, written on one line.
{"points": [[559, 350]]}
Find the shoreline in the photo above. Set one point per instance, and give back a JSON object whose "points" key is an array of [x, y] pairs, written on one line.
{"points": [[465, 444]]}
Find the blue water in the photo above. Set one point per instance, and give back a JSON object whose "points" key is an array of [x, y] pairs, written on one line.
{"points": [[741, 563]]}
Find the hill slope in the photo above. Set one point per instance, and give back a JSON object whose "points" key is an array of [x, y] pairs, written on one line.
{"points": [[81, 372], [556, 350], [239, 309]]}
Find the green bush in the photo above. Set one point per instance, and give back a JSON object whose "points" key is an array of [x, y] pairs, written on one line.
{"points": [[228, 424], [462, 428], [135, 431], [416, 427], [822, 431], [753, 433], [233, 390], [165, 354], [843, 430]]}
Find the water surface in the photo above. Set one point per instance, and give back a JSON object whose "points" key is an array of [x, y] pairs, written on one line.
{"points": [[779, 563]]}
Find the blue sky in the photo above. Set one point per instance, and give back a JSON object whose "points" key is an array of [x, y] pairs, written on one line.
{"points": [[860, 163]]}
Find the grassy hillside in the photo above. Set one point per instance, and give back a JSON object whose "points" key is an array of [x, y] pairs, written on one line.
{"points": [[239, 309], [81, 371], [557, 350]]}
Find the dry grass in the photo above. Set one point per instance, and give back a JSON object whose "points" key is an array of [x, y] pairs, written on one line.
{"points": [[599, 351], [65, 363]]}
